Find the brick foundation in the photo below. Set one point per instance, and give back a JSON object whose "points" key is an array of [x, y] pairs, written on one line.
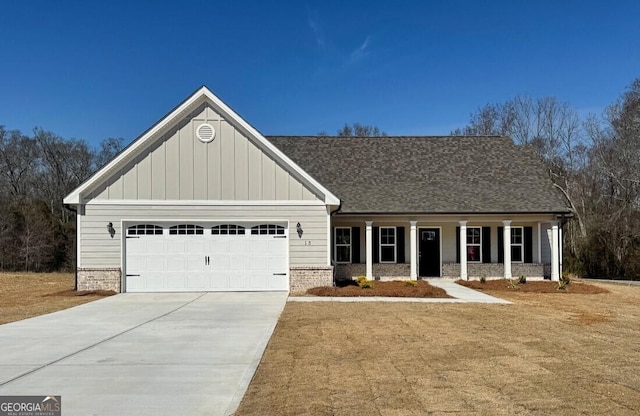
{"points": [[493, 270], [99, 279], [381, 271], [306, 277]]}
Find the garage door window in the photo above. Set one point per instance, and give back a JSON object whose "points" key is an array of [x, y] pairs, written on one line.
{"points": [[186, 229], [144, 229], [227, 229], [267, 229]]}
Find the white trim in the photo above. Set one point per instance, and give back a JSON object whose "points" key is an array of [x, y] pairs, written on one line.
{"points": [[199, 202], [560, 250], [440, 242], [329, 256], [555, 255], [203, 94], [369, 248], [335, 244], [506, 242], [78, 234], [413, 244], [395, 245], [464, 275]]}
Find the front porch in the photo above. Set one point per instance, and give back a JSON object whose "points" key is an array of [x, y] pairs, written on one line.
{"points": [[492, 247]]}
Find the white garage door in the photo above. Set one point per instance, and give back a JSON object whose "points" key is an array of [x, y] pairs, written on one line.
{"points": [[197, 257]]}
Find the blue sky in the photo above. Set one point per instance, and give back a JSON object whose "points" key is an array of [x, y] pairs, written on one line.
{"points": [[92, 70]]}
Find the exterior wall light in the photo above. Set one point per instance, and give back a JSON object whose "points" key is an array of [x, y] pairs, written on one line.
{"points": [[112, 231], [299, 230]]}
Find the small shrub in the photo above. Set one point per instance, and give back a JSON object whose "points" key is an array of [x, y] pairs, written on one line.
{"points": [[513, 284], [522, 280], [412, 283], [364, 283], [564, 282], [483, 279]]}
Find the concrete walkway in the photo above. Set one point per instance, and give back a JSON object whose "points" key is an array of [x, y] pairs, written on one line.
{"points": [[135, 353], [460, 294]]}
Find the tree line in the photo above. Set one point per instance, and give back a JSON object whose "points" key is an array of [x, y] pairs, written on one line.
{"points": [[594, 161], [37, 233]]}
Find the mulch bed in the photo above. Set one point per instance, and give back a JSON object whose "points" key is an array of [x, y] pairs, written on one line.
{"points": [[389, 289], [537, 286]]}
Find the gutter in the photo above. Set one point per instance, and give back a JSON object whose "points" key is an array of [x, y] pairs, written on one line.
{"points": [[75, 251]]}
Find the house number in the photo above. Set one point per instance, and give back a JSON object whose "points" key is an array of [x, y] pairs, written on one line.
{"points": [[307, 243]]}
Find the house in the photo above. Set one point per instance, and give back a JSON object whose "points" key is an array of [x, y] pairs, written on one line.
{"points": [[203, 202]]}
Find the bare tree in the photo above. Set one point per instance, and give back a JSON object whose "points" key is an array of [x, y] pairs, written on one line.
{"points": [[360, 130]]}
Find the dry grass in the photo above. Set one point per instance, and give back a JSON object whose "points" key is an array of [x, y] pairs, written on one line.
{"points": [[544, 354], [421, 289], [24, 295]]}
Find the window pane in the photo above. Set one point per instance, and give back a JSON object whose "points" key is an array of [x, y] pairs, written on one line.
{"points": [[516, 236], [387, 235], [387, 254], [516, 253], [473, 253], [343, 236], [342, 253], [473, 235]]}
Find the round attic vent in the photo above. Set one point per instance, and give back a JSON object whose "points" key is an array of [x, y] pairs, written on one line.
{"points": [[206, 133]]}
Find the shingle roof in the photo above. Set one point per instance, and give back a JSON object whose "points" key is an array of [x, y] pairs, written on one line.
{"points": [[449, 174]]}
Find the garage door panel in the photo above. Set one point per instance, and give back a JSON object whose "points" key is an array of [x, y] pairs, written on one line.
{"points": [[205, 262]]}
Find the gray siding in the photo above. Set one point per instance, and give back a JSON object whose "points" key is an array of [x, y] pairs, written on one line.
{"points": [[178, 166], [98, 249]]}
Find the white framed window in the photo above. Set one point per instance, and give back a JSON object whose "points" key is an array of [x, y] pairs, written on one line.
{"points": [[474, 244], [342, 249], [387, 244], [517, 244]]}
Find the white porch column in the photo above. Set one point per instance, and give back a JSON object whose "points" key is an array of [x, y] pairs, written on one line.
{"points": [[560, 250], [369, 243], [463, 251], [555, 252], [539, 243], [414, 250], [506, 238]]}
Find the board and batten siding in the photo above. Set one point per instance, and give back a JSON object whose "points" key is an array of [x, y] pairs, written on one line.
{"points": [[178, 166], [98, 249]]}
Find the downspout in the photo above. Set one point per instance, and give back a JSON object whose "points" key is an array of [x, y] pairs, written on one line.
{"points": [[75, 248], [331, 240]]}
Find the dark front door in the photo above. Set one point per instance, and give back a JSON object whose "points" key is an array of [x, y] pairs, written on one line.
{"points": [[429, 252]]}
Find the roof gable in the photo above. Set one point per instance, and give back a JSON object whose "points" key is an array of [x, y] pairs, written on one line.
{"points": [[427, 174], [203, 98]]}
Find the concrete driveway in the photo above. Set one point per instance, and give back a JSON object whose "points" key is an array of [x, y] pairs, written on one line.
{"points": [[131, 354]]}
